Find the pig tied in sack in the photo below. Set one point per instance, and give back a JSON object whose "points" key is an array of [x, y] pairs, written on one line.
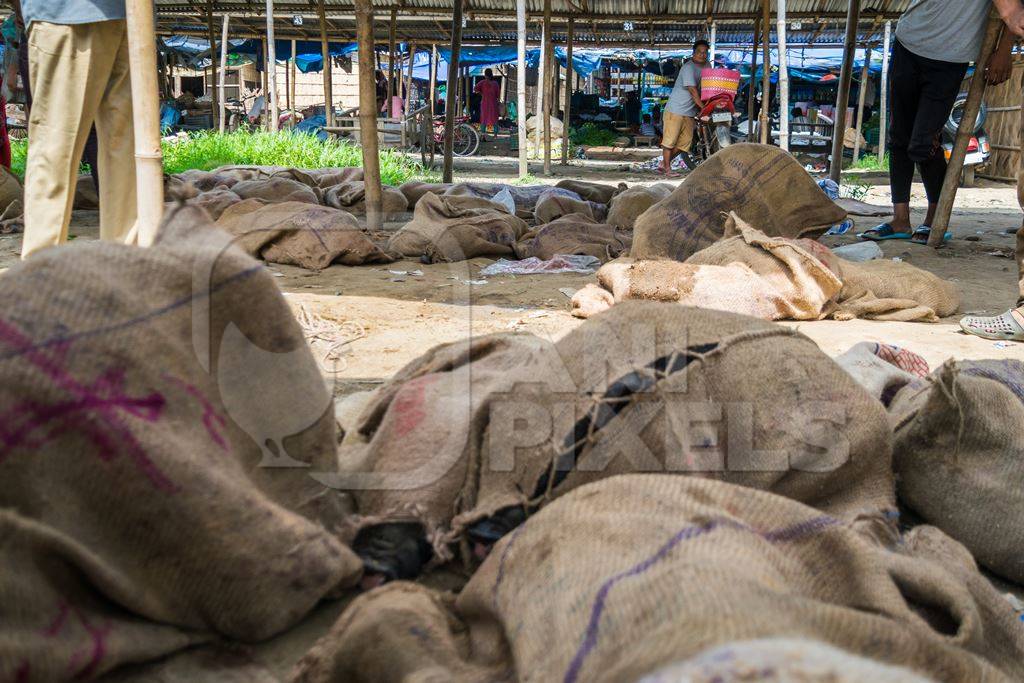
{"points": [[763, 184], [351, 196], [473, 436], [555, 204], [630, 204], [959, 456], [160, 413], [574, 234], [298, 234], [442, 229], [625, 577], [592, 192]]}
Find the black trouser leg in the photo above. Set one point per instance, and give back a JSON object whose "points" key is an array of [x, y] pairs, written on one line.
{"points": [[904, 87]]}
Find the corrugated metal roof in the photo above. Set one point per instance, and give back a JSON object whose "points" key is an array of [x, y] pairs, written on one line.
{"points": [[596, 22]]}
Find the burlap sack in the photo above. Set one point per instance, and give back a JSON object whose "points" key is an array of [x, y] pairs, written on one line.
{"points": [[764, 185], [216, 202], [86, 195], [629, 205], [592, 192], [415, 189], [329, 177], [627, 576], [524, 196], [351, 197], [959, 456], [443, 231], [161, 411], [11, 191], [643, 387], [746, 272], [188, 184], [249, 172], [554, 204], [887, 290], [295, 233], [276, 189], [877, 368], [574, 234]]}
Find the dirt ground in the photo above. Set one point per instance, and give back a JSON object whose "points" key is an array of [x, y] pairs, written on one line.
{"points": [[391, 314]]}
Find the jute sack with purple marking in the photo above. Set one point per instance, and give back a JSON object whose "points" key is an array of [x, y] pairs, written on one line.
{"points": [[764, 185], [473, 432], [574, 234], [959, 456], [160, 412], [299, 234], [624, 577]]}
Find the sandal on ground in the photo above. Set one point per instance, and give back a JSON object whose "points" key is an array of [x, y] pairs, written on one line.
{"points": [[920, 235], [885, 231], [670, 174], [1006, 327]]}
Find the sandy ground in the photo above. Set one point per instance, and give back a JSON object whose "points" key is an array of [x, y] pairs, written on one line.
{"points": [[395, 314]]}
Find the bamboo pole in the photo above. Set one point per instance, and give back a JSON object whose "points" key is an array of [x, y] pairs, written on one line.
{"points": [[222, 97], [408, 96], [149, 178], [547, 55], [453, 83], [963, 134], [835, 166], [865, 74], [393, 88], [271, 66], [524, 168], [541, 68], [568, 91], [783, 76], [292, 90], [766, 79], [884, 112], [266, 87], [714, 42], [368, 114], [328, 76], [433, 79], [212, 37], [752, 98]]}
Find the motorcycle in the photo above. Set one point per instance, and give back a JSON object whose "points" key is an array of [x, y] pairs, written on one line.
{"points": [[978, 149], [715, 120]]}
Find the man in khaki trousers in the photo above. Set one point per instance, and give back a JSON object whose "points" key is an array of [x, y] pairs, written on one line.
{"points": [[78, 66]]}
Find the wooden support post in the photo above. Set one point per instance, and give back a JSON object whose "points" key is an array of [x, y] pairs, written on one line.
{"points": [[524, 168], [783, 76], [271, 66], [865, 79], [453, 86], [393, 88], [213, 63], [266, 86], [149, 178], [539, 111], [883, 114], [714, 43], [328, 76], [294, 90], [569, 71], [752, 99], [963, 134], [222, 97], [433, 79], [766, 80], [835, 166], [547, 56], [368, 114]]}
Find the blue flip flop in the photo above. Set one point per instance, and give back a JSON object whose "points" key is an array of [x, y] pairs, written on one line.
{"points": [[883, 232], [921, 235]]}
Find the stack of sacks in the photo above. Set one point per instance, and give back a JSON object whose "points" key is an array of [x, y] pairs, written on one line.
{"points": [[774, 278], [159, 429]]}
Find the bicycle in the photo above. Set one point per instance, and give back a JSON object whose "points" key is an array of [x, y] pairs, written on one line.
{"points": [[465, 138]]}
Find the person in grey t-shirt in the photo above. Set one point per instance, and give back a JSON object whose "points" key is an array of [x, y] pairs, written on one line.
{"points": [[68, 12], [684, 104], [935, 40]]}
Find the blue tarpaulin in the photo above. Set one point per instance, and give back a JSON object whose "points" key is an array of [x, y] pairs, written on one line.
{"points": [[308, 57], [195, 52]]}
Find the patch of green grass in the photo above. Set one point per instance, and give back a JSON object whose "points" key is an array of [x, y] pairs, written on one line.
{"points": [[592, 135], [869, 162], [855, 191], [206, 150], [528, 179]]}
